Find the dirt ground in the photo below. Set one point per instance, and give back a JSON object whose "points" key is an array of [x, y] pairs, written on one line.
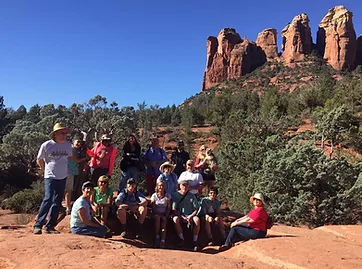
{"points": [[285, 247]]}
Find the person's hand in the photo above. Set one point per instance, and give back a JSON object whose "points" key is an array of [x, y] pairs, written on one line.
{"points": [[233, 224], [216, 219], [185, 218]]}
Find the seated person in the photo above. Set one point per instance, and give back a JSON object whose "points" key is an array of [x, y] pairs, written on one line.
{"points": [[102, 198], [168, 177], [131, 199], [210, 211], [81, 220], [251, 226], [194, 178], [161, 208], [185, 207]]}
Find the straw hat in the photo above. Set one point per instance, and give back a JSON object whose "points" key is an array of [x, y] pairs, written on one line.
{"points": [[258, 196], [167, 164], [106, 137], [57, 127]]}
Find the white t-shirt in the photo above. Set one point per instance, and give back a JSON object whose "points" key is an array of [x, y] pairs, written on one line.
{"points": [[55, 157], [161, 204], [193, 178]]}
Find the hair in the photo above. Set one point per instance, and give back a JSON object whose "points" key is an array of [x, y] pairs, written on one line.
{"points": [[214, 189], [104, 177], [201, 155], [127, 146], [161, 182]]}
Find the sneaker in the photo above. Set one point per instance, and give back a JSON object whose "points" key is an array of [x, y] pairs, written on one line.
{"points": [[224, 247], [124, 234], [210, 242], [51, 231], [195, 246], [37, 230]]}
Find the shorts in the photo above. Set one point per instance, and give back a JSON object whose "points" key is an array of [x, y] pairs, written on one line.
{"points": [[69, 182]]}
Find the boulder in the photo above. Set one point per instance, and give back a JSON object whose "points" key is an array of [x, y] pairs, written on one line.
{"points": [[296, 39], [267, 41], [336, 38]]}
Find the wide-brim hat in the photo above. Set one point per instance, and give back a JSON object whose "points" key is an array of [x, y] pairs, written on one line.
{"points": [[182, 180], [57, 127], [106, 137], [167, 164], [258, 196]]}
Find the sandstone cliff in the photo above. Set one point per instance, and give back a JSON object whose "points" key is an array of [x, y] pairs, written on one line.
{"points": [[336, 38], [229, 57], [267, 41], [297, 39]]}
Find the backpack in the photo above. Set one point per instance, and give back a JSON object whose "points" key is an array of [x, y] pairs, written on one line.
{"points": [[269, 222]]}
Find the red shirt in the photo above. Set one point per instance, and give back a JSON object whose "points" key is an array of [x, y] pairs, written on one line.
{"points": [[260, 217]]}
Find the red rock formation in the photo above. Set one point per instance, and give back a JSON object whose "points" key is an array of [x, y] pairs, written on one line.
{"points": [[336, 38], [359, 51], [267, 41], [297, 39], [229, 57]]}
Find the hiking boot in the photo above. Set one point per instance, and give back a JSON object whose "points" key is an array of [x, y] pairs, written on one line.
{"points": [[124, 234], [138, 231], [195, 246], [181, 243], [51, 231], [37, 230]]}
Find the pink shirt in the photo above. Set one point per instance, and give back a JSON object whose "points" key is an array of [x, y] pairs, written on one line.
{"points": [[260, 217]]}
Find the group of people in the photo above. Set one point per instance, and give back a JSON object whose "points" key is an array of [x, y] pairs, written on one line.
{"points": [[174, 189]]}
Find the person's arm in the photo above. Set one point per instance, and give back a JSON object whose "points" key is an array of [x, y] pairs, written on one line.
{"points": [[120, 198], [243, 220], [168, 210], [82, 213], [41, 164], [76, 160], [217, 211], [143, 200]]}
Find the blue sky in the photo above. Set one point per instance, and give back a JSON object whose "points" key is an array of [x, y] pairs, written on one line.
{"points": [[68, 51]]}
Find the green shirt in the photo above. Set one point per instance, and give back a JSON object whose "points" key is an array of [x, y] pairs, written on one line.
{"points": [[102, 197], [188, 205], [208, 206]]}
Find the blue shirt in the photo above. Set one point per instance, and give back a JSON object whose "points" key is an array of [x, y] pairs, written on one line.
{"points": [[171, 182], [75, 220], [73, 166], [124, 197], [151, 155]]}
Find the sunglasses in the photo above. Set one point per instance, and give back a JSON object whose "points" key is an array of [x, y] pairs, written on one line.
{"points": [[103, 182]]}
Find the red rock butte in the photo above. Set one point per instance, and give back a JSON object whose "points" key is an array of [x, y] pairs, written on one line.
{"points": [[229, 56]]}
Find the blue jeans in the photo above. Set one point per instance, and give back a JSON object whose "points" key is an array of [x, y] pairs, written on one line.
{"points": [[243, 233], [53, 196], [98, 231], [132, 172]]}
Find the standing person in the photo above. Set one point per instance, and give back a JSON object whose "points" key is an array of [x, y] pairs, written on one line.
{"points": [[179, 158], [53, 161], [153, 157], [184, 210], [130, 163], [193, 178], [200, 165], [210, 212], [168, 177], [81, 220], [251, 226], [161, 208], [73, 171], [103, 156], [101, 199]]}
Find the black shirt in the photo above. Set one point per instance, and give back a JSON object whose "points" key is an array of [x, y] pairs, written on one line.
{"points": [[180, 159]]}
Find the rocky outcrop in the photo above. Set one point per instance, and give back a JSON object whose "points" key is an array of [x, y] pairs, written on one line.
{"points": [[336, 38], [229, 57], [297, 39], [359, 51], [267, 41]]}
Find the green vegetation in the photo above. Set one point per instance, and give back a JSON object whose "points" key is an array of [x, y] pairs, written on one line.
{"points": [[311, 178]]}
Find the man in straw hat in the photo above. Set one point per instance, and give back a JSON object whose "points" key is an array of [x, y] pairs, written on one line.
{"points": [[53, 161]]}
